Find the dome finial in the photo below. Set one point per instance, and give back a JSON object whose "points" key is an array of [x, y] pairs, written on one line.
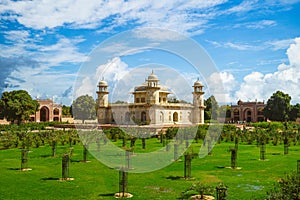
{"points": [[152, 77]]}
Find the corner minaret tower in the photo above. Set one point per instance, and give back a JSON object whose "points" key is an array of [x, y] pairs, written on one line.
{"points": [[102, 102], [198, 102]]}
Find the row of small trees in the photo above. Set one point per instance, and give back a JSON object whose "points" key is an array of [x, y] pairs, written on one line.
{"points": [[26, 138], [272, 134]]}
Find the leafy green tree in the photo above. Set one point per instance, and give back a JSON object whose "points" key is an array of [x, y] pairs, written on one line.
{"points": [[18, 105], [84, 108], [294, 112], [278, 107], [212, 107], [66, 110]]}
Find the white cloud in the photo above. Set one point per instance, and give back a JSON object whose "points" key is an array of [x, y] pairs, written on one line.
{"points": [[222, 85], [113, 70], [261, 24], [42, 84], [241, 47], [245, 6], [287, 79], [280, 44], [158, 34], [294, 53], [63, 51], [86, 88], [91, 14], [16, 35], [255, 46]]}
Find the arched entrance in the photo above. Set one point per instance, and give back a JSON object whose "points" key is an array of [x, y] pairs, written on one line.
{"points": [[44, 114], [175, 117]]}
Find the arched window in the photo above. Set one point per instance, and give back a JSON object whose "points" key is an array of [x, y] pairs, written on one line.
{"points": [[56, 111], [127, 117], [175, 117], [161, 117], [236, 111], [113, 117], [143, 116], [260, 111]]}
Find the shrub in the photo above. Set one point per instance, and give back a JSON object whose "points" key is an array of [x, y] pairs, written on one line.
{"points": [[286, 188]]}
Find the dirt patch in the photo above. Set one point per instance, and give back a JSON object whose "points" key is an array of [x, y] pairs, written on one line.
{"points": [[123, 195], [206, 197]]}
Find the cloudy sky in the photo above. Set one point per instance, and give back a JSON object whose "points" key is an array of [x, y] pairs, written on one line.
{"points": [[60, 49]]}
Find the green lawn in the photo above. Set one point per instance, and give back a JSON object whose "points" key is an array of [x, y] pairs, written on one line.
{"points": [[94, 180]]}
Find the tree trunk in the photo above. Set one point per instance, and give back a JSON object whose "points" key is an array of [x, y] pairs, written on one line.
{"points": [[144, 143], [85, 152], [262, 151], [24, 159], [123, 182], [54, 145], [65, 166], [233, 158]]}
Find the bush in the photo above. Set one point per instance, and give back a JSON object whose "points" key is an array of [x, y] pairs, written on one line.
{"points": [[286, 188]]}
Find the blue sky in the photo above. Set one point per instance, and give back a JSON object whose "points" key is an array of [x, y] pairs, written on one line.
{"points": [[45, 46]]}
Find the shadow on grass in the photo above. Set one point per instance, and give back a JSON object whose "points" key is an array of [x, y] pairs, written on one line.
{"points": [[107, 195], [14, 168], [47, 156], [49, 179], [174, 177], [75, 161]]}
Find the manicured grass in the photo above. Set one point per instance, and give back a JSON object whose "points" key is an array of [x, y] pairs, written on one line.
{"points": [[94, 180]]}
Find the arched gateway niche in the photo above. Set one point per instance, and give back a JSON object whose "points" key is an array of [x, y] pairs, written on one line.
{"points": [[248, 115], [143, 116], [44, 114]]}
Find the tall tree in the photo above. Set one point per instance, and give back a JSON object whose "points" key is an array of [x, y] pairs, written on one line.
{"points": [[294, 112], [84, 107], [66, 110], [18, 105], [211, 110], [278, 107], [224, 111]]}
